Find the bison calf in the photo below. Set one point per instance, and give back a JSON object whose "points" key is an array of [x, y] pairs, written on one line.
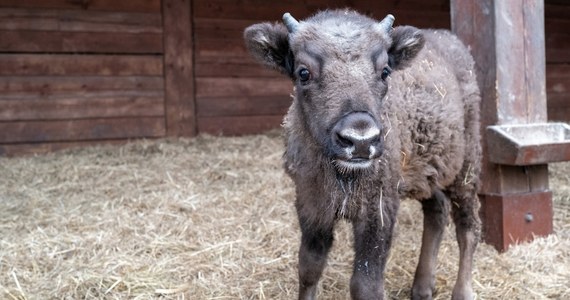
{"points": [[378, 114]]}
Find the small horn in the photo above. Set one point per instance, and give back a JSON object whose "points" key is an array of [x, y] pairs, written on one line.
{"points": [[290, 22], [386, 24]]}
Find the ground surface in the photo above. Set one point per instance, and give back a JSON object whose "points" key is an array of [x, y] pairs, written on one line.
{"points": [[212, 218]]}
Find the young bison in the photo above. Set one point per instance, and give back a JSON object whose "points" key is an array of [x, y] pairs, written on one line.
{"points": [[378, 114]]}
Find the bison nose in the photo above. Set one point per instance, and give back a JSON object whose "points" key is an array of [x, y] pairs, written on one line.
{"points": [[358, 135]]}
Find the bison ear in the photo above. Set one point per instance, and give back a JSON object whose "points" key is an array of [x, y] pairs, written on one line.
{"points": [[269, 44], [407, 41]]}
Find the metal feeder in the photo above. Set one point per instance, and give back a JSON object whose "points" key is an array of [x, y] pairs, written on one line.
{"points": [[529, 144]]}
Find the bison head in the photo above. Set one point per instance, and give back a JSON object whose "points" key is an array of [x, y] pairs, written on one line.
{"points": [[340, 62]]}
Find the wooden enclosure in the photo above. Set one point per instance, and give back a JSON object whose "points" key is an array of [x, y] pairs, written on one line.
{"points": [[75, 72]]}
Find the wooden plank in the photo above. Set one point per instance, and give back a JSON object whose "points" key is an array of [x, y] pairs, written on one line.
{"points": [[502, 75], [104, 5], [221, 28], [271, 10], [213, 47], [50, 85], [557, 47], [14, 19], [556, 9], [249, 9], [228, 87], [552, 25], [237, 125], [558, 89], [419, 5], [559, 107], [534, 61], [92, 105], [11, 150], [242, 106], [83, 42], [224, 38], [232, 67], [178, 68], [76, 65], [414, 16], [74, 20], [510, 64], [559, 101], [81, 130], [558, 70], [489, 27], [506, 218], [558, 79]]}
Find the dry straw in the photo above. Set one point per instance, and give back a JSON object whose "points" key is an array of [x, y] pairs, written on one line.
{"points": [[212, 218]]}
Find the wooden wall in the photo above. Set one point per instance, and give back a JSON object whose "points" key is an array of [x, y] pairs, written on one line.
{"points": [[234, 95], [557, 28], [79, 71], [75, 72]]}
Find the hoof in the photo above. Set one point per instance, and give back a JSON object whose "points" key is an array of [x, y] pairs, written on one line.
{"points": [[462, 294]]}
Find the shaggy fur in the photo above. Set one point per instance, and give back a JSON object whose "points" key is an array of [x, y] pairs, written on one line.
{"points": [[427, 111]]}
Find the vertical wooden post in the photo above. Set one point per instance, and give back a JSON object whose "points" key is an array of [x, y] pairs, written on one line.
{"points": [[506, 38], [180, 105]]}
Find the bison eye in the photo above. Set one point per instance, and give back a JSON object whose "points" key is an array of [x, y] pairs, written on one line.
{"points": [[304, 75], [385, 73]]}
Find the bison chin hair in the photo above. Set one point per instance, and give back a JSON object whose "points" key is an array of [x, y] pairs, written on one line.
{"points": [[352, 168]]}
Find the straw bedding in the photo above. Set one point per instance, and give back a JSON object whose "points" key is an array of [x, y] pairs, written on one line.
{"points": [[212, 218]]}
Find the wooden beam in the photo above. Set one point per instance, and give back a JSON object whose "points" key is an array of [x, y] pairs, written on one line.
{"points": [[72, 42], [80, 65], [80, 130], [72, 106], [179, 68], [242, 106], [507, 42], [238, 125], [103, 5]]}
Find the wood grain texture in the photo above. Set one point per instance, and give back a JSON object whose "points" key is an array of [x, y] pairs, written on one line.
{"points": [[179, 68], [80, 65], [114, 53], [79, 20], [42, 86], [32, 41], [22, 149], [102, 5], [238, 125], [490, 27], [242, 106], [74, 106], [81, 130], [225, 87]]}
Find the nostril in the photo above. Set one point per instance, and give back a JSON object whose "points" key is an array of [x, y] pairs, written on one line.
{"points": [[376, 140], [344, 142]]}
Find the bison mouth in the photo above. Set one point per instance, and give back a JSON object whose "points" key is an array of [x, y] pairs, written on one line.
{"points": [[345, 166]]}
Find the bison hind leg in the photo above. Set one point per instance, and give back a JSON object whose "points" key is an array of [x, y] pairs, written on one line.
{"points": [[465, 212], [436, 216]]}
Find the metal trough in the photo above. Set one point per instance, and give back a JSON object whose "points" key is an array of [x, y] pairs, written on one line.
{"points": [[528, 144]]}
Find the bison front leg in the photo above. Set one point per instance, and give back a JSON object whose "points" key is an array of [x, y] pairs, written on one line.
{"points": [[316, 242], [372, 241]]}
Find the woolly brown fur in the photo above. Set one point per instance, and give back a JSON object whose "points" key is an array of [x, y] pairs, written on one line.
{"points": [[427, 109]]}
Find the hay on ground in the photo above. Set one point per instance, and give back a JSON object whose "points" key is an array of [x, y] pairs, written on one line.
{"points": [[212, 218]]}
